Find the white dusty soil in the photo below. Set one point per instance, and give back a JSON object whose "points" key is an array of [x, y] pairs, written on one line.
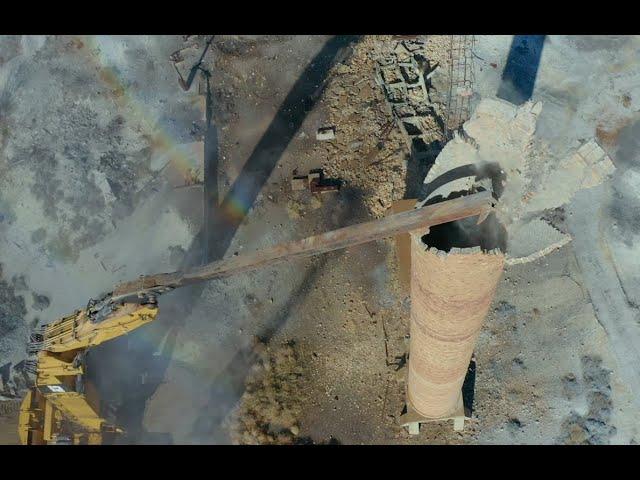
{"points": [[318, 372]]}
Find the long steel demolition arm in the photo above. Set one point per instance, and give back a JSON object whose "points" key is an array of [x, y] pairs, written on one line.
{"points": [[420, 218]]}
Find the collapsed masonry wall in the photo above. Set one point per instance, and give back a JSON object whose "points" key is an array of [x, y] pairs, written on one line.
{"points": [[497, 150]]}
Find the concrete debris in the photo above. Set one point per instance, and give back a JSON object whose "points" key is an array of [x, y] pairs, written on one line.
{"points": [[401, 76], [9, 406], [269, 409], [14, 381], [100, 179], [326, 133], [299, 183], [13, 336], [371, 155], [586, 168]]}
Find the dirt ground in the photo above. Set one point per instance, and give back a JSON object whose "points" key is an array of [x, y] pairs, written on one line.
{"points": [[307, 352]]}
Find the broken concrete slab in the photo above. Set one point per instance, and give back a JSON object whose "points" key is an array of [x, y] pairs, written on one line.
{"points": [[586, 168]]}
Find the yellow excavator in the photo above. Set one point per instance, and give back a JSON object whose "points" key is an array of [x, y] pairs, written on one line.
{"points": [[62, 408]]}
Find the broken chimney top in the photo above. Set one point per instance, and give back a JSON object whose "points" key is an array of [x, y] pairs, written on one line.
{"points": [[497, 150]]}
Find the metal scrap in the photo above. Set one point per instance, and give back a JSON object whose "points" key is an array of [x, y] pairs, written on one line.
{"points": [[315, 182]]}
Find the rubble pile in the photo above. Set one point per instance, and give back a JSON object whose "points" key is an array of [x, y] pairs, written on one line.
{"points": [[369, 152], [401, 76], [269, 409]]}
